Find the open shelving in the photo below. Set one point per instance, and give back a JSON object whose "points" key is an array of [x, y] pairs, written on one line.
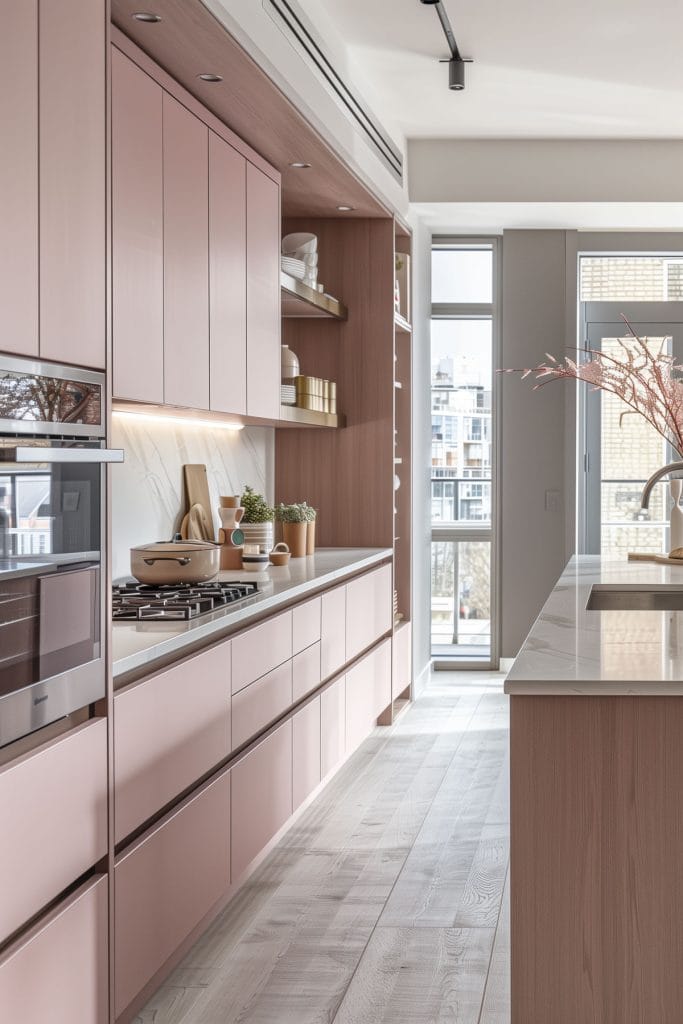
{"points": [[298, 300], [310, 417]]}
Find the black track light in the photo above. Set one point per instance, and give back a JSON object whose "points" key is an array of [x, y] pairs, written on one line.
{"points": [[456, 63]]}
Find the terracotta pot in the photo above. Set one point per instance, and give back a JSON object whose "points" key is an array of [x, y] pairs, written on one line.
{"points": [[294, 535], [310, 537], [171, 562]]}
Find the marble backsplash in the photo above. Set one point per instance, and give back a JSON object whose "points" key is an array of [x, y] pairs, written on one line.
{"points": [[148, 490]]}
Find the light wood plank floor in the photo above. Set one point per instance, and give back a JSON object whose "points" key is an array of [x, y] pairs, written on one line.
{"points": [[387, 901]]}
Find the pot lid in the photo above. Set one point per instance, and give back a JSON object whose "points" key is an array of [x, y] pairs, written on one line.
{"points": [[176, 546]]}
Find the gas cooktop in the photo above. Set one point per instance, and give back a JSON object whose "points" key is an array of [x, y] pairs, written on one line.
{"points": [[142, 602]]}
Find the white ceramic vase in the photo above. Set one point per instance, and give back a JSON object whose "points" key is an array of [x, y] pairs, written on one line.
{"points": [[289, 363], [261, 534]]}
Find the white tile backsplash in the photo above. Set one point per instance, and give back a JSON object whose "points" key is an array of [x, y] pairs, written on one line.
{"points": [[148, 490]]}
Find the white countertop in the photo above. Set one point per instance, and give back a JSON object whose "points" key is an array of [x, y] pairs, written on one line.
{"points": [[573, 651], [136, 645]]}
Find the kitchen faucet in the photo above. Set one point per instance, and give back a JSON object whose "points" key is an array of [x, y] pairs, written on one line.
{"points": [[671, 467]]}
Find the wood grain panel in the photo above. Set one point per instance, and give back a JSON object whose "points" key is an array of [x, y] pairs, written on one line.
{"points": [[19, 177], [305, 752], [137, 233], [72, 181], [596, 859], [54, 799]]}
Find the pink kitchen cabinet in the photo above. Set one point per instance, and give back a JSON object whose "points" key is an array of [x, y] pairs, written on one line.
{"points": [[263, 295], [332, 726], [401, 659], [305, 752], [57, 972], [19, 177], [227, 277], [261, 649], [261, 797], [137, 233], [305, 624], [260, 703], [72, 180], [368, 693], [186, 257], [165, 883], [306, 671], [53, 809], [368, 610], [169, 731], [333, 631]]}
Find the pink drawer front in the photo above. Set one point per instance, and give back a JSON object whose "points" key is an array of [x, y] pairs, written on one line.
{"points": [[166, 883], [53, 814], [169, 731], [401, 658], [332, 726], [368, 610], [305, 751], [333, 631], [261, 649], [261, 797], [306, 671], [57, 972], [305, 624], [368, 693], [259, 704]]}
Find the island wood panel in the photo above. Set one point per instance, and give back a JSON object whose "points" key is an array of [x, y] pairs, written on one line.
{"points": [[596, 859], [137, 233], [73, 131], [348, 474], [19, 177]]}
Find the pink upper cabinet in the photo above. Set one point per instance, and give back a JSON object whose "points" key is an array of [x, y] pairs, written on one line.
{"points": [[186, 257], [72, 183], [227, 277], [263, 295], [19, 177], [137, 233]]}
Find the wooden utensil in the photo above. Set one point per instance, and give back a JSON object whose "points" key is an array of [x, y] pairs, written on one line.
{"points": [[198, 527], [197, 484]]}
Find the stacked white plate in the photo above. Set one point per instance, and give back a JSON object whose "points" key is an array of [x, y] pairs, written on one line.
{"points": [[293, 267], [302, 246], [287, 394]]}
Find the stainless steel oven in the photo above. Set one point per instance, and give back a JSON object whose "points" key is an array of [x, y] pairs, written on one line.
{"points": [[52, 527]]}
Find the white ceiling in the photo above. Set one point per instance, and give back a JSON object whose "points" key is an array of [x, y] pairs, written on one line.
{"points": [[493, 218], [583, 69]]}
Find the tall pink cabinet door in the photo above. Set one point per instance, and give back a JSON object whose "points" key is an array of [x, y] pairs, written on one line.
{"points": [[137, 233], [19, 177], [72, 181], [227, 277], [263, 295], [186, 258], [57, 972]]}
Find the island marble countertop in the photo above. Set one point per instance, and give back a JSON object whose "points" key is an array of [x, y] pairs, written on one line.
{"points": [[573, 651], [138, 645]]}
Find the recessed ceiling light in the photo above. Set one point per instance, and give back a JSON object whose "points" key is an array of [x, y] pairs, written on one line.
{"points": [[345, 209], [207, 77], [299, 163], [146, 16]]}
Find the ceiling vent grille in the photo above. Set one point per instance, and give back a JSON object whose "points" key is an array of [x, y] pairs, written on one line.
{"points": [[302, 34]]}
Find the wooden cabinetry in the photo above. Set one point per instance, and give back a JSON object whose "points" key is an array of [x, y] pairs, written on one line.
{"points": [[137, 233], [165, 884], [305, 752], [57, 972], [186, 257], [53, 808], [263, 295]]}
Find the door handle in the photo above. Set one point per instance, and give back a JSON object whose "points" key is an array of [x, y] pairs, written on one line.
{"points": [[26, 453]]}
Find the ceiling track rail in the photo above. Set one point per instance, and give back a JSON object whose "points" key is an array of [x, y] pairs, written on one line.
{"points": [[293, 22]]}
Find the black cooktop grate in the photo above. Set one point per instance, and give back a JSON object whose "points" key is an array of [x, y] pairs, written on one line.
{"points": [[182, 602]]}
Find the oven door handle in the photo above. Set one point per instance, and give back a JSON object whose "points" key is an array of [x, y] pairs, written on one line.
{"points": [[26, 453]]}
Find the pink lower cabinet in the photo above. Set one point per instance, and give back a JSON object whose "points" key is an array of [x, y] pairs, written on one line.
{"points": [[260, 703], [57, 973], [53, 810], [401, 658], [305, 752], [332, 726], [368, 609], [306, 671], [333, 631], [261, 649], [261, 797], [166, 883], [368, 693], [169, 731], [306, 624]]}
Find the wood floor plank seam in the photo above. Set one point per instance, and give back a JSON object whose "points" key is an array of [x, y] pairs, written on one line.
{"points": [[493, 947]]}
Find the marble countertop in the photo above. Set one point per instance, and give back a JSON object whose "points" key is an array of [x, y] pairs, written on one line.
{"points": [[571, 650], [138, 645]]}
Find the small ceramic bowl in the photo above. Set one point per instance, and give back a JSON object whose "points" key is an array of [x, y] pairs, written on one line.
{"points": [[280, 554]]}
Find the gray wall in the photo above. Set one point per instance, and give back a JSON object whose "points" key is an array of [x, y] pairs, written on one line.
{"points": [[533, 434]]}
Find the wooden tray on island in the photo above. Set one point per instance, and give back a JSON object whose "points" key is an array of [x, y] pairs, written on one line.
{"points": [[643, 556]]}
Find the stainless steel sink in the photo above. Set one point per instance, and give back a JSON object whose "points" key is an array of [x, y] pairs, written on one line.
{"points": [[634, 599]]}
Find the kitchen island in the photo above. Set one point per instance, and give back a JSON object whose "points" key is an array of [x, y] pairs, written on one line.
{"points": [[596, 722]]}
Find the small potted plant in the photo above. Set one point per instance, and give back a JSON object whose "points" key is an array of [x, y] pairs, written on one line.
{"points": [[294, 527], [257, 521], [311, 515]]}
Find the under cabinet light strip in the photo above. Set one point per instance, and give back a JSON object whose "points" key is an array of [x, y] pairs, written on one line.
{"points": [[179, 420]]}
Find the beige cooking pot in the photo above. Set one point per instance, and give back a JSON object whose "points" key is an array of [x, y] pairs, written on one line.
{"points": [[171, 562]]}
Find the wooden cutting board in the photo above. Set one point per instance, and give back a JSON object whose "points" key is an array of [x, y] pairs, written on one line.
{"points": [[197, 486], [641, 556]]}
